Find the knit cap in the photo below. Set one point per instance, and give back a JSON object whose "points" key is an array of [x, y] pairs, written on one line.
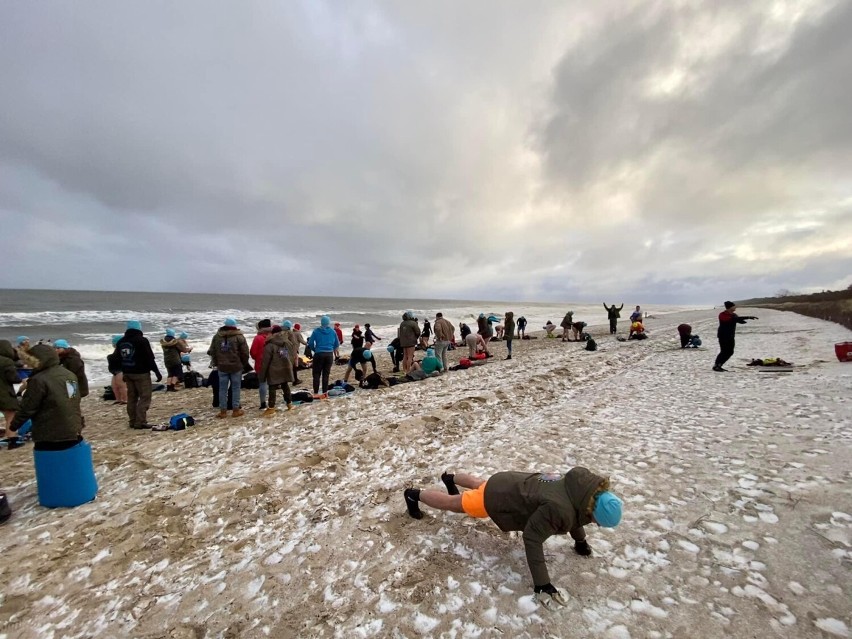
{"points": [[607, 510]]}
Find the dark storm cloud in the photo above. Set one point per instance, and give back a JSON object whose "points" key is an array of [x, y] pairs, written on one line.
{"points": [[427, 150]]}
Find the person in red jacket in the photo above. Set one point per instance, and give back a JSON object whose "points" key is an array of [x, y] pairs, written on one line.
{"points": [[728, 320], [264, 329]]}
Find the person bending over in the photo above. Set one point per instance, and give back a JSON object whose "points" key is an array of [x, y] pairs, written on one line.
{"points": [[361, 356], [539, 504]]}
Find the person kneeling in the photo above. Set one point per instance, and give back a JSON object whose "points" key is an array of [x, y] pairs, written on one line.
{"points": [[359, 356], [539, 504]]}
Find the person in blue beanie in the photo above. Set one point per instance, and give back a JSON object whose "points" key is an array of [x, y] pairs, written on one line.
{"points": [[323, 342], [539, 504]]}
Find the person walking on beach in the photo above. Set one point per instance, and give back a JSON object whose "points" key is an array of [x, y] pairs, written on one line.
{"points": [[613, 314], [522, 327], [119, 388], [171, 358], [323, 343], [445, 334], [264, 330], [71, 360], [409, 334], [137, 364], [229, 352], [276, 366], [728, 320], [369, 335], [509, 326], [539, 504], [8, 378], [566, 324]]}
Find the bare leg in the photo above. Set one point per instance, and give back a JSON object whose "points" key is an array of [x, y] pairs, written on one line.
{"points": [[468, 481], [441, 500]]}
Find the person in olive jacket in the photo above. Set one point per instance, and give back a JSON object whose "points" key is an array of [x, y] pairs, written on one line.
{"points": [[539, 504], [276, 367], [8, 378], [229, 353], [173, 348], [52, 402], [509, 331], [70, 359], [137, 364], [409, 335]]}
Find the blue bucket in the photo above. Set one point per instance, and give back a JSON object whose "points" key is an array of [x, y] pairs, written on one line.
{"points": [[65, 478]]}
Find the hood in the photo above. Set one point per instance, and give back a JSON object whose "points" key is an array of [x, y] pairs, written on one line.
{"points": [[228, 331], [581, 484], [45, 355], [168, 341], [6, 349], [276, 338], [133, 332], [510, 315]]}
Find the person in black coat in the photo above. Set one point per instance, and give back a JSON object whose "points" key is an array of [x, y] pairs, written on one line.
{"points": [[728, 320]]}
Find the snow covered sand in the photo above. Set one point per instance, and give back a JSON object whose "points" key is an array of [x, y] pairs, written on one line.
{"points": [[738, 517]]}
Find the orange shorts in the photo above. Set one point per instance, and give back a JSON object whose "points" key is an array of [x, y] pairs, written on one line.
{"points": [[473, 502]]}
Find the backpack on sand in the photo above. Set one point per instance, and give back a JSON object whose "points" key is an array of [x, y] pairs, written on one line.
{"points": [[591, 344], [181, 421]]}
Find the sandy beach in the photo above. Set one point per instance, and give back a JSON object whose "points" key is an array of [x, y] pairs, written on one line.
{"points": [[737, 523]]}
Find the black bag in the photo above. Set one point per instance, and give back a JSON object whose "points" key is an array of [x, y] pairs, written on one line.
{"points": [[250, 381], [302, 396], [192, 379], [591, 344], [108, 395]]}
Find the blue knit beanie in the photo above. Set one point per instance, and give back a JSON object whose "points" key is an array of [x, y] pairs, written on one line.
{"points": [[21, 339], [607, 510], [230, 321], [391, 349], [368, 354], [116, 339], [135, 325], [430, 352], [170, 332], [325, 321], [287, 324], [61, 343], [184, 335]]}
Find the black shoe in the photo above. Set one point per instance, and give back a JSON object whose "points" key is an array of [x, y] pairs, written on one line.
{"points": [[719, 369], [509, 357], [450, 483], [262, 405], [582, 548], [412, 496], [140, 426], [5, 511]]}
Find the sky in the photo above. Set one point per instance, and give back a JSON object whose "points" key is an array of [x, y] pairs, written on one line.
{"points": [[672, 151]]}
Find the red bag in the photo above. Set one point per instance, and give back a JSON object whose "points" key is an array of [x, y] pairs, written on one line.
{"points": [[464, 362], [480, 356]]}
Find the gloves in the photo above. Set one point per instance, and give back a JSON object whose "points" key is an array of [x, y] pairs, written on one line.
{"points": [[550, 596], [159, 377], [582, 548]]}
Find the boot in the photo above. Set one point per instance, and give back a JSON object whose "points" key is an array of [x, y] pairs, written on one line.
{"points": [[290, 406], [262, 405], [269, 411], [221, 414], [238, 412]]}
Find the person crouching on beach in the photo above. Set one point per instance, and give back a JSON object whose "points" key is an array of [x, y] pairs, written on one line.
{"points": [[276, 366], [550, 328], [539, 504], [323, 343], [230, 356], [408, 334], [362, 356]]}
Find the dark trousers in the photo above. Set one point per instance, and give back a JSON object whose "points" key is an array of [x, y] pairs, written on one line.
{"points": [[321, 366], [138, 397], [612, 325], [285, 390], [726, 349]]}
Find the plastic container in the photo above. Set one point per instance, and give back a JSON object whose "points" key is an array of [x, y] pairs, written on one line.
{"points": [[843, 350], [65, 478]]}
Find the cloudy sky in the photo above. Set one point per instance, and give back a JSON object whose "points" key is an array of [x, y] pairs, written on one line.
{"points": [[670, 151]]}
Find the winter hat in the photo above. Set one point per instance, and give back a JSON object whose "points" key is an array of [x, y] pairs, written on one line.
{"points": [[298, 327], [230, 321], [287, 324], [729, 305], [357, 327], [135, 325], [276, 329], [61, 343], [21, 339], [337, 325], [368, 354], [391, 349], [430, 352], [116, 339], [607, 510], [325, 321], [184, 335], [264, 323], [482, 316], [170, 332]]}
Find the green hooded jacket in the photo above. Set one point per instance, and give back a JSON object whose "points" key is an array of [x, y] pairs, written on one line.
{"points": [[8, 376], [277, 364], [52, 400], [509, 326], [74, 363], [541, 505], [229, 351], [172, 349]]}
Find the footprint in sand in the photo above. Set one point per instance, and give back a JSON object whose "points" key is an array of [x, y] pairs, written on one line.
{"points": [[251, 491]]}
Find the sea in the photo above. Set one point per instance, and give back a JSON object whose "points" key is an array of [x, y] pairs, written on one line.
{"points": [[88, 319]]}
